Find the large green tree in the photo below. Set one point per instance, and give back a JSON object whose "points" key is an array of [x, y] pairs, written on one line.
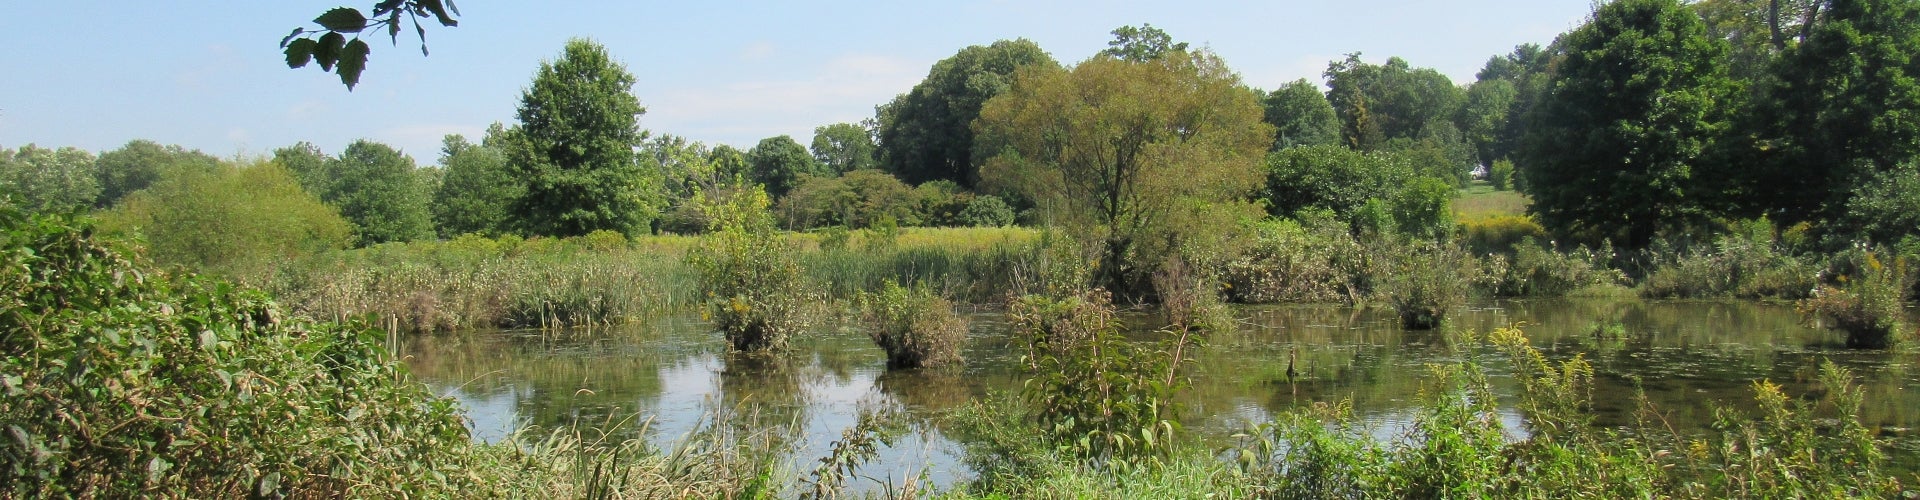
{"points": [[475, 189], [378, 190], [51, 180], [925, 134], [575, 147], [1847, 105], [1117, 150], [1331, 177], [1301, 116], [1614, 144], [844, 147], [139, 164], [1142, 44], [1378, 103], [780, 163]]}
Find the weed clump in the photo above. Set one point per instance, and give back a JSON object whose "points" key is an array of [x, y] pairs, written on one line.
{"points": [[915, 326], [1869, 303], [1424, 281], [1092, 391], [751, 282]]}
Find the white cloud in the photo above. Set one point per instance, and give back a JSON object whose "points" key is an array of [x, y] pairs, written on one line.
{"points": [[844, 89]]}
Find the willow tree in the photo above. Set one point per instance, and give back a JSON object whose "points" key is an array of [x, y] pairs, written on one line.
{"points": [[1123, 153]]}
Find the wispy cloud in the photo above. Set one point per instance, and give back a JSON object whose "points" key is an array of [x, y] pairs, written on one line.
{"points": [[843, 89]]}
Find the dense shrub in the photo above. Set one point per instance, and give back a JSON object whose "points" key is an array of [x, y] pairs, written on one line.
{"points": [[1501, 175], [748, 276], [987, 211], [1291, 261], [1423, 281], [242, 221], [915, 326], [123, 381]]}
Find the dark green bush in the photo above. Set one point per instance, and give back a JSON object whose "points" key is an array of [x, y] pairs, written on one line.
{"points": [[987, 211]]}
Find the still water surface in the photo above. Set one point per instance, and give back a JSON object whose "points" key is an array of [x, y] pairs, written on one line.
{"points": [[670, 372]]}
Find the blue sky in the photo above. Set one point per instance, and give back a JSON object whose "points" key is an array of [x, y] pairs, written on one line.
{"points": [[209, 75]]}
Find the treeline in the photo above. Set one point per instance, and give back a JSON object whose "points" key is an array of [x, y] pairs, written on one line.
{"points": [[1654, 127]]}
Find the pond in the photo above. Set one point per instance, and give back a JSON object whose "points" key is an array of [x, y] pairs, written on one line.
{"points": [[662, 377]]}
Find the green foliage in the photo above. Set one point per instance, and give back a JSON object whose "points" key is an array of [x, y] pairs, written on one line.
{"points": [[1117, 150], [1501, 175], [1846, 106], [1541, 271], [1870, 302], [1421, 209], [844, 147], [1141, 44], [376, 188], [748, 275], [48, 180], [574, 148], [1092, 392], [1378, 103], [125, 381], [987, 211], [476, 190], [329, 47], [1613, 149], [1481, 116], [914, 325], [1750, 263], [241, 221], [856, 200], [308, 164], [139, 164], [1332, 178], [1885, 208], [781, 164], [1301, 116], [1423, 281], [926, 134], [1314, 259]]}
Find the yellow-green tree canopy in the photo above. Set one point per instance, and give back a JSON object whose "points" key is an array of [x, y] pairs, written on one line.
{"points": [[1114, 149]]}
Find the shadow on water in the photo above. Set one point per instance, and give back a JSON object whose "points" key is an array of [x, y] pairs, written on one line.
{"points": [[1684, 356]]}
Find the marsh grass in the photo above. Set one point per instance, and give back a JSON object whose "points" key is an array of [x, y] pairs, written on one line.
{"points": [[477, 282]]}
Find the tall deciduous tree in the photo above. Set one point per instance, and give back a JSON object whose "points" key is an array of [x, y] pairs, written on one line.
{"points": [[1614, 144], [1377, 103], [1848, 103], [378, 190], [308, 164], [52, 180], [780, 163], [575, 147], [1117, 149], [139, 164], [475, 190], [924, 134], [1141, 44], [844, 147], [1301, 116]]}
